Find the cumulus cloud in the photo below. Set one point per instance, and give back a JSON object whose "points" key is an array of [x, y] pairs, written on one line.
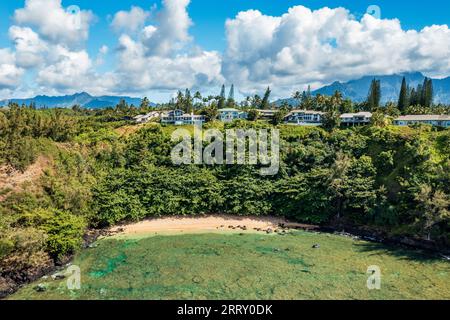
{"points": [[10, 74], [55, 23], [172, 29], [304, 47], [64, 68], [49, 39], [140, 72], [131, 21], [29, 47], [156, 52], [163, 57]]}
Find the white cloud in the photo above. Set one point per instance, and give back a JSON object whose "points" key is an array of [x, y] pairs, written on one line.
{"points": [[10, 74], [54, 23], [305, 47], [65, 68], [171, 32], [140, 72], [49, 40], [163, 57], [287, 52], [131, 21], [29, 47]]}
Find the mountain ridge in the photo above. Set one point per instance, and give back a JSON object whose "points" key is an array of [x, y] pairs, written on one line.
{"points": [[357, 90], [82, 99]]}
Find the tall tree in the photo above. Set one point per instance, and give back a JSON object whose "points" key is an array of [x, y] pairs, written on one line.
{"points": [[427, 95], [197, 99], [188, 101], [179, 101], [145, 104], [221, 102], [265, 103], [230, 101], [298, 97], [231, 94], [403, 100], [374, 96], [413, 100]]}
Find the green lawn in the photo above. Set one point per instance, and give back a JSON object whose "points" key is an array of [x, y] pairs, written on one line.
{"points": [[250, 266]]}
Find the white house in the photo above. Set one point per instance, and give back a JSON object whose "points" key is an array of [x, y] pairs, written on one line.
{"points": [[178, 117], [305, 117], [144, 118], [231, 114], [352, 119], [434, 120], [267, 114]]}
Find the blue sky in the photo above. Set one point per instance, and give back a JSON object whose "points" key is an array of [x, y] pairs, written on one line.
{"points": [[208, 34], [209, 15]]}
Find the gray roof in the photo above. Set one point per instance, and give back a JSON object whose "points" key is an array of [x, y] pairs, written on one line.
{"points": [[424, 117], [359, 114], [307, 112]]}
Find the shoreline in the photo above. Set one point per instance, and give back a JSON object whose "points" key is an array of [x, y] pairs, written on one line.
{"points": [[209, 223], [267, 225]]}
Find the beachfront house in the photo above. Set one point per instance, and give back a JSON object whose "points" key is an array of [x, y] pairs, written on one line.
{"points": [[231, 114], [434, 120], [178, 117], [267, 114], [144, 118], [355, 119], [305, 117]]}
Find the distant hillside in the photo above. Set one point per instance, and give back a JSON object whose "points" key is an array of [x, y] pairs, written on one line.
{"points": [[390, 87], [82, 99]]}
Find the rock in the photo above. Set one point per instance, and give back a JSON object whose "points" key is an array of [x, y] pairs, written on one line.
{"points": [[40, 288], [196, 280], [269, 231], [316, 246]]}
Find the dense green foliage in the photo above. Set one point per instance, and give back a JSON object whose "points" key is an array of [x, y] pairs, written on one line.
{"points": [[390, 178]]}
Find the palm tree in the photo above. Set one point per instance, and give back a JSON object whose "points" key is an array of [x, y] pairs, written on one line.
{"points": [[297, 95], [197, 98]]}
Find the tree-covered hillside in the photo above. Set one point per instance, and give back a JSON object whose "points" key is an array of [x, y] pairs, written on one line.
{"points": [[101, 170]]}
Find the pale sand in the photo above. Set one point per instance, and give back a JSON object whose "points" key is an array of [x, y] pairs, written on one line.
{"points": [[174, 225]]}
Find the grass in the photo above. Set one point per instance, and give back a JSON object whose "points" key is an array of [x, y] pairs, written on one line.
{"points": [[248, 266]]}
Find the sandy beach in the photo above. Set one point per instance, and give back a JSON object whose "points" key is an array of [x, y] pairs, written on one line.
{"points": [[201, 224]]}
